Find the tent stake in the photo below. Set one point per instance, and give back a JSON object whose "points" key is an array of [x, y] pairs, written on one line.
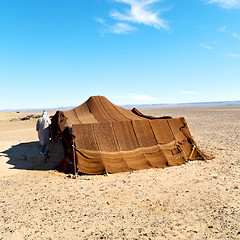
{"points": [[194, 146]]}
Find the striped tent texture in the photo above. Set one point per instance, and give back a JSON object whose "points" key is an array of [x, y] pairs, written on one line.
{"points": [[101, 137]]}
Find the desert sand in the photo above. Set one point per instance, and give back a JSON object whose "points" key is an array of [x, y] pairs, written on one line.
{"points": [[198, 200]]}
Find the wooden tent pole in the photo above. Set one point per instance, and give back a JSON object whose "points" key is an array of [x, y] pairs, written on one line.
{"points": [[74, 159]]}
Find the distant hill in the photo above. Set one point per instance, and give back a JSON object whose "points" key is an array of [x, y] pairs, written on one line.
{"points": [[160, 105], [223, 103]]}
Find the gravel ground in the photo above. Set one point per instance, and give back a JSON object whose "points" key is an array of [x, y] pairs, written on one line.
{"points": [[198, 200]]}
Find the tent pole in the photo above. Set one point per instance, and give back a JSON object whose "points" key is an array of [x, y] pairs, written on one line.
{"points": [[74, 159], [49, 151]]}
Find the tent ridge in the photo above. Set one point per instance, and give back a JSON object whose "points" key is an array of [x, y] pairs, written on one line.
{"points": [[105, 109], [127, 119]]}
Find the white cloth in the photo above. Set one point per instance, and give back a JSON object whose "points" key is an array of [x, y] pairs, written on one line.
{"points": [[43, 128]]}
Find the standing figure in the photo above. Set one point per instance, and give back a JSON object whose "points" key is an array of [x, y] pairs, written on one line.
{"points": [[43, 131]]}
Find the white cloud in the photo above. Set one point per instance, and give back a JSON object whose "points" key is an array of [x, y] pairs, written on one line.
{"points": [[140, 13], [121, 28], [100, 20], [118, 28], [203, 45], [226, 3], [190, 93], [222, 29], [236, 36], [233, 55]]}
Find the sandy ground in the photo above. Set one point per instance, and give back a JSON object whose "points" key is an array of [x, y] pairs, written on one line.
{"points": [[199, 200]]}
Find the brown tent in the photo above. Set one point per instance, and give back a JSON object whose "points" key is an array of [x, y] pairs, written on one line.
{"points": [[99, 137]]}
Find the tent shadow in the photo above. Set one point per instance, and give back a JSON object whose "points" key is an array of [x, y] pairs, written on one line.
{"points": [[27, 156]]}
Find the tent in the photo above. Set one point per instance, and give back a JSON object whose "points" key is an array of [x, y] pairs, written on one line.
{"points": [[99, 137]]}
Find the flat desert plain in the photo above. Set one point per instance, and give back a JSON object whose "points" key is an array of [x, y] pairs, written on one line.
{"points": [[198, 200]]}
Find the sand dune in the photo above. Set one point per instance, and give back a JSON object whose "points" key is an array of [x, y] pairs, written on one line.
{"points": [[199, 200]]}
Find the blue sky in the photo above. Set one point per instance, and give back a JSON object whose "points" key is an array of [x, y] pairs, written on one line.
{"points": [[59, 52]]}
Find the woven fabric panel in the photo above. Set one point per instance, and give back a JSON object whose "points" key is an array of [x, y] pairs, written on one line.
{"points": [[72, 117], [125, 135], [113, 110], [186, 147], [174, 157], [175, 125], [186, 129], [96, 162], [136, 161], [129, 114], [92, 165], [144, 133], [162, 131], [105, 137], [84, 115], [114, 163], [84, 137], [98, 111], [156, 158]]}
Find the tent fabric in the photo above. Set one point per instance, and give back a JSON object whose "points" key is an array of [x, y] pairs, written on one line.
{"points": [[102, 137]]}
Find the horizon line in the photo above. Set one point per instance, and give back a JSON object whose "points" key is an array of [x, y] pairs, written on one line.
{"points": [[146, 105]]}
